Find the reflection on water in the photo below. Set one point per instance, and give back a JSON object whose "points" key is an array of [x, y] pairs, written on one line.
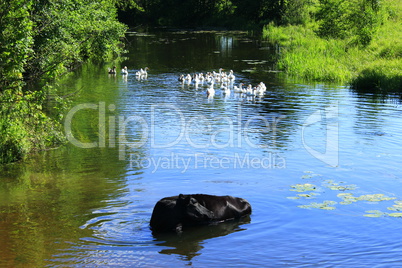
{"points": [[134, 141], [189, 243]]}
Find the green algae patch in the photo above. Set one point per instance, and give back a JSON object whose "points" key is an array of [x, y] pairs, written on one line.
{"points": [[396, 207], [306, 187], [375, 197], [339, 186], [395, 215], [374, 214], [345, 194], [309, 175], [306, 196], [349, 198], [326, 205]]}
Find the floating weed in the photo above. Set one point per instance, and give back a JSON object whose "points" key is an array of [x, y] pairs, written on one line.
{"points": [[326, 205], [375, 197], [396, 214], [349, 198], [339, 186], [396, 207], [303, 187], [309, 191], [309, 175], [306, 196], [374, 214], [377, 214]]}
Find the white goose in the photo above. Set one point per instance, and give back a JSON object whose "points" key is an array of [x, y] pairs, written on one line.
{"points": [[225, 89], [211, 91], [238, 89], [231, 76], [188, 78], [124, 70], [250, 91], [142, 73], [210, 79]]}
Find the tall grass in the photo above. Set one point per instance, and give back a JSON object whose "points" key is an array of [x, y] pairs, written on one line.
{"points": [[378, 66]]}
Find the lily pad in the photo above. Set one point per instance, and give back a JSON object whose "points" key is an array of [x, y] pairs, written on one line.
{"points": [[375, 197], [348, 198], [374, 214], [326, 205], [396, 214], [303, 187], [309, 175], [339, 186], [396, 207], [306, 196]]}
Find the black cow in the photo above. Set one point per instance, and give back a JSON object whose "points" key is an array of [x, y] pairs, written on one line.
{"points": [[175, 212]]}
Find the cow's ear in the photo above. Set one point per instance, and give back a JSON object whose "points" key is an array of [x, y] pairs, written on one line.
{"points": [[192, 201], [197, 212]]}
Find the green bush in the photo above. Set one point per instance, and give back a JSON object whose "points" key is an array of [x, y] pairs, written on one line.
{"points": [[40, 40], [308, 53]]}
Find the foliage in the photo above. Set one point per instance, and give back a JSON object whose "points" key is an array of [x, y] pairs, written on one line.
{"points": [[68, 32], [237, 13], [41, 40], [345, 54], [349, 18], [24, 126], [15, 42]]}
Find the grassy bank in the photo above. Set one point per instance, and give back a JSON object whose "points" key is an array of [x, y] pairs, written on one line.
{"points": [[377, 65]]}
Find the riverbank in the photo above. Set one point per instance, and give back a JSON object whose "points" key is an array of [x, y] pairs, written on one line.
{"points": [[43, 42], [376, 66]]}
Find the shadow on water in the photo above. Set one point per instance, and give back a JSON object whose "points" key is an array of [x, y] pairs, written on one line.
{"points": [[190, 242], [378, 95]]}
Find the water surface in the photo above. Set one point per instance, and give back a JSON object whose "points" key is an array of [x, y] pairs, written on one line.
{"points": [[320, 165]]}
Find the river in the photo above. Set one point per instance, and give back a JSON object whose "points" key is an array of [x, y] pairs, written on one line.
{"points": [[319, 164]]}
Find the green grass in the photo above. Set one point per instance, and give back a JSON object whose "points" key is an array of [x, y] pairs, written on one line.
{"points": [[377, 66]]}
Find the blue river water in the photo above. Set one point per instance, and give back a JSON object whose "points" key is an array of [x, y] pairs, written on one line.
{"points": [[320, 165]]}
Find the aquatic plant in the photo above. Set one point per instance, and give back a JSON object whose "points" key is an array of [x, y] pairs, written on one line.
{"points": [[303, 187], [326, 205], [309, 191]]}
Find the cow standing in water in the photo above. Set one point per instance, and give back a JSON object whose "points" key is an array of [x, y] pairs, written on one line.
{"points": [[176, 212]]}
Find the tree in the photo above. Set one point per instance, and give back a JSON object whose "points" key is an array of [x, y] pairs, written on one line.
{"points": [[39, 40], [15, 42], [355, 19]]}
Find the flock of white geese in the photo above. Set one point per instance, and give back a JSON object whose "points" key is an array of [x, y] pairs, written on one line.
{"points": [[141, 74], [226, 81]]}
